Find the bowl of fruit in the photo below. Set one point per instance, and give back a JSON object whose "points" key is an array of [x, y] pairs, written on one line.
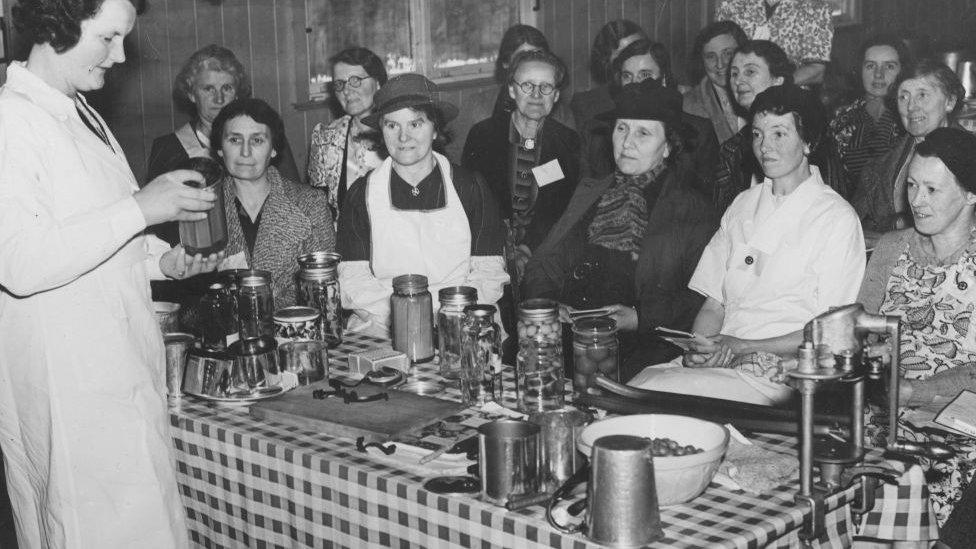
{"points": [[687, 451]]}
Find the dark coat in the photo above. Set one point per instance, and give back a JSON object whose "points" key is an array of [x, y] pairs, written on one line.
{"points": [[680, 225], [487, 152]]}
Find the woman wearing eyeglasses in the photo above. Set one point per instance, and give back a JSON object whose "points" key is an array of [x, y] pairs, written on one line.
{"points": [[529, 160], [347, 149]]}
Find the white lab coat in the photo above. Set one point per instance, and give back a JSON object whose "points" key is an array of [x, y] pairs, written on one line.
{"points": [[83, 421], [775, 264]]}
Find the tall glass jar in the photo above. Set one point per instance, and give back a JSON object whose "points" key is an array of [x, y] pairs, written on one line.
{"points": [[595, 350], [255, 304], [413, 317], [539, 363], [481, 363], [450, 317], [218, 324], [318, 287], [208, 235]]}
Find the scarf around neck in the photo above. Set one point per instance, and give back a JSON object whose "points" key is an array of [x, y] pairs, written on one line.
{"points": [[621, 214]]}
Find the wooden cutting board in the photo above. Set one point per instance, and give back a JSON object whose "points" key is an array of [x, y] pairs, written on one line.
{"points": [[377, 421]]}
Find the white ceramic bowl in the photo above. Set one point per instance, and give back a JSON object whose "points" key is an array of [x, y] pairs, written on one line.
{"points": [[680, 478]]}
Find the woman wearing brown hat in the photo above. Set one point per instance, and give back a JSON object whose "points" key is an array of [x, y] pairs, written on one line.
{"points": [[787, 249], [416, 213], [927, 276], [630, 240]]}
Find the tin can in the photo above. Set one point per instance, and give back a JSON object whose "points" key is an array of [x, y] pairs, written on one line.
{"points": [[297, 323]]}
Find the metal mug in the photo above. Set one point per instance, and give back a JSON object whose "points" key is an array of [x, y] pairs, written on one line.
{"points": [[560, 430], [177, 346], [622, 509], [308, 360], [208, 373], [508, 459], [255, 364], [167, 316]]}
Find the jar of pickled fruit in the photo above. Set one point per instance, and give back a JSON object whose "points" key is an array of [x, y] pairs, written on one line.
{"points": [[595, 350], [539, 363]]}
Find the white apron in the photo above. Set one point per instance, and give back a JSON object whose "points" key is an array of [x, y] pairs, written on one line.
{"points": [[436, 244], [83, 421]]}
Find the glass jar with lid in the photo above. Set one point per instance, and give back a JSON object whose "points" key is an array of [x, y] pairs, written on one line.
{"points": [[412, 317], [450, 317], [595, 350], [539, 363], [481, 363], [255, 304], [318, 287]]}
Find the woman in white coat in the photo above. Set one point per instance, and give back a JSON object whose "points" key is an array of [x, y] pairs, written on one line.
{"points": [[787, 249], [83, 423]]}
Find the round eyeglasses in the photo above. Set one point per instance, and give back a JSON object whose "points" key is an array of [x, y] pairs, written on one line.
{"points": [[353, 81], [528, 88]]}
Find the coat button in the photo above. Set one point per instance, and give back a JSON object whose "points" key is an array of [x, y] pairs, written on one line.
{"points": [[750, 260]]}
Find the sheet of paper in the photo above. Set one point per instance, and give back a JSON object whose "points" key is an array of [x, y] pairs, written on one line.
{"points": [[550, 172], [960, 414]]}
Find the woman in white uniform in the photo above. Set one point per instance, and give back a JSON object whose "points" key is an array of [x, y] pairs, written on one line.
{"points": [[416, 213], [787, 250], [83, 423]]}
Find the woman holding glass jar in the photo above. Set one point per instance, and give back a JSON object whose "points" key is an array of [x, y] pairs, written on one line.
{"points": [[346, 149], [416, 213]]}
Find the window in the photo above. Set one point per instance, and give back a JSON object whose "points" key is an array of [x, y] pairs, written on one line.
{"points": [[447, 40]]}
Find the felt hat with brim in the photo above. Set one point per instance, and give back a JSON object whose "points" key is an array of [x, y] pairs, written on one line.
{"points": [[405, 91], [647, 100]]}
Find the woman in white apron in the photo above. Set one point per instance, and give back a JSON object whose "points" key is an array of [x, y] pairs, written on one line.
{"points": [[416, 213], [83, 423], [787, 250]]}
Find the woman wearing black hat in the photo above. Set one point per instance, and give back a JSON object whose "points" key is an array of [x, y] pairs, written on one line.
{"points": [[416, 213], [630, 240], [927, 276], [787, 250]]}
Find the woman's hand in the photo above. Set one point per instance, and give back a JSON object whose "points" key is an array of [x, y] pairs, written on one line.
{"points": [[718, 353], [178, 265], [625, 316], [166, 198]]}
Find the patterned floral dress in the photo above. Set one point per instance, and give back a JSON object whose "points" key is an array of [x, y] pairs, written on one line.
{"points": [[936, 302]]}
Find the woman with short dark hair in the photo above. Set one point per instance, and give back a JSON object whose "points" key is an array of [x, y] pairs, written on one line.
{"points": [[416, 213], [270, 220], [710, 60], [84, 427], [346, 149]]}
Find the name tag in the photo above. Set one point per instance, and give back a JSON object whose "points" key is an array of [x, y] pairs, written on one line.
{"points": [[550, 172]]}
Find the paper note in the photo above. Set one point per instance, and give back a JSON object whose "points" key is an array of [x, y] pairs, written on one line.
{"points": [[960, 414], [550, 172]]}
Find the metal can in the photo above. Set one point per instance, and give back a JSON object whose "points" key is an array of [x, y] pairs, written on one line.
{"points": [[450, 317], [297, 323], [318, 287]]}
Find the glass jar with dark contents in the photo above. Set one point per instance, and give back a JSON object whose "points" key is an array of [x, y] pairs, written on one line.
{"points": [[318, 287], [209, 235]]}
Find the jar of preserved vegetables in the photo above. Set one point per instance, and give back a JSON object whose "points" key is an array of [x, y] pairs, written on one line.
{"points": [[539, 363], [318, 287], [481, 363], [450, 317], [412, 317]]}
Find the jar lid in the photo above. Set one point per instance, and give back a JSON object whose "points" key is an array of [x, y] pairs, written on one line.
{"points": [[410, 284], [296, 313], [252, 277], [600, 326], [318, 273], [538, 309], [457, 295], [480, 311], [319, 260]]}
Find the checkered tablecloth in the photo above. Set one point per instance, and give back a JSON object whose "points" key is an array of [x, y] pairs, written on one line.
{"points": [[251, 483]]}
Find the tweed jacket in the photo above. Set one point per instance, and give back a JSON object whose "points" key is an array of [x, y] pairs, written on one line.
{"points": [[295, 220], [700, 101], [680, 224], [874, 198]]}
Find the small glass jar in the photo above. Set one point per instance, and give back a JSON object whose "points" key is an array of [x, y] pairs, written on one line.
{"points": [[412, 317], [539, 363], [595, 350], [481, 363], [450, 317], [318, 287], [255, 305]]}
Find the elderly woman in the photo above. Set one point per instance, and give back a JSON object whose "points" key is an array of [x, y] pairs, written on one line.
{"points": [[710, 98], [530, 161], [642, 60], [866, 128], [609, 42], [416, 213], [630, 240], [347, 149], [756, 66], [83, 421], [787, 249], [927, 275], [927, 95], [270, 220]]}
